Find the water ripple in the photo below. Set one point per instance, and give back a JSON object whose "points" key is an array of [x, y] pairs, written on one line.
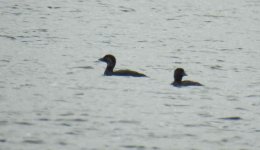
{"points": [[33, 141]]}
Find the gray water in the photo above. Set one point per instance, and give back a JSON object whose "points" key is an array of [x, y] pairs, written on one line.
{"points": [[53, 94]]}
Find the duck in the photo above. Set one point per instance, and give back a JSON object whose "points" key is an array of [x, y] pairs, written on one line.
{"points": [[179, 73], [111, 62]]}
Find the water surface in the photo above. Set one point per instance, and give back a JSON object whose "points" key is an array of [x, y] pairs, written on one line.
{"points": [[53, 94]]}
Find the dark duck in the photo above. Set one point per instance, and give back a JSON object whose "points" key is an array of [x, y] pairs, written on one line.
{"points": [[111, 62], [179, 73]]}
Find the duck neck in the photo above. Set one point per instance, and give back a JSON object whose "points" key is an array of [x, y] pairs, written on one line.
{"points": [[178, 80], [109, 70]]}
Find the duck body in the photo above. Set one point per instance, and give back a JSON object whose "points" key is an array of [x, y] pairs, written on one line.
{"points": [[124, 73], [179, 73], [186, 83], [111, 62]]}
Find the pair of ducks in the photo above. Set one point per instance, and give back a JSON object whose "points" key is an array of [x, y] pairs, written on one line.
{"points": [[179, 73]]}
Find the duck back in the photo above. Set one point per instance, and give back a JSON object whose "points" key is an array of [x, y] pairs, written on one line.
{"points": [[128, 73]]}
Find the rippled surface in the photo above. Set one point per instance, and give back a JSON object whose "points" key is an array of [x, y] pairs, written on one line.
{"points": [[53, 94]]}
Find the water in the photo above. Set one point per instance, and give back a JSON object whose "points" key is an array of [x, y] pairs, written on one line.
{"points": [[53, 94]]}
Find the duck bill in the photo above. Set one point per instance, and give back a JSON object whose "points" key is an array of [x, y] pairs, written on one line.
{"points": [[185, 74], [101, 59]]}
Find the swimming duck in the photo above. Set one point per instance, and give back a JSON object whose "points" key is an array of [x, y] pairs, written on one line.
{"points": [[178, 74], [111, 62]]}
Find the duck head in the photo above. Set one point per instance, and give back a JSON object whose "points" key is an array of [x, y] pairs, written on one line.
{"points": [[178, 74], [111, 62]]}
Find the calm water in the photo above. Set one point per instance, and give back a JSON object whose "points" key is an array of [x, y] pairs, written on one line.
{"points": [[53, 94]]}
